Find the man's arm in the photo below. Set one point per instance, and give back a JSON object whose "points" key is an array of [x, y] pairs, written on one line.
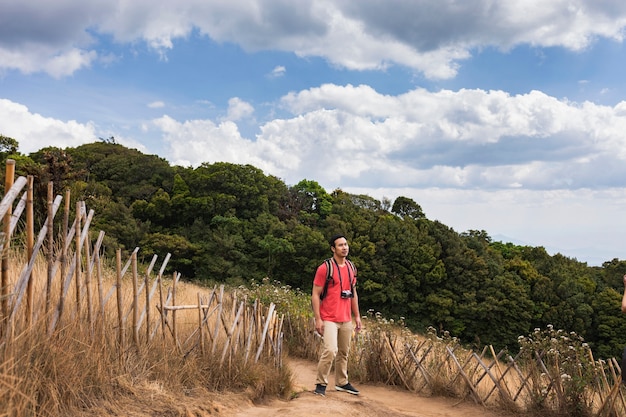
{"points": [[355, 310], [315, 303]]}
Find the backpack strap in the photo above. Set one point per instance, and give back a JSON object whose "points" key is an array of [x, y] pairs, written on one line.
{"points": [[329, 277], [353, 280]]}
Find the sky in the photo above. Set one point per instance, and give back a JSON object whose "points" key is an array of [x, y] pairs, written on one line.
{"points": [[502, 116]]}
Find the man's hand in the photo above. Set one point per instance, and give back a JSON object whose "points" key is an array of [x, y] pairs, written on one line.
{"points": [[319, 326], [358, 323]]}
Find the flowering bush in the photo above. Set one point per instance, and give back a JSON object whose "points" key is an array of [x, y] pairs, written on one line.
{"points": [[561, 367]]}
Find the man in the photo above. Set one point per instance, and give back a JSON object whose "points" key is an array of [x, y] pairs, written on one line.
{"points": [[333, 315]]}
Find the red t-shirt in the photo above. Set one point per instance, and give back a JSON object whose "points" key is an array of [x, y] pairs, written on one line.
{"points": [[333, 307]]}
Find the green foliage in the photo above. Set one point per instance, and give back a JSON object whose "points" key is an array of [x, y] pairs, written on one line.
{"points": [[407, 208], [8, 146], [289, 301], [568, 361], [232, 223]]}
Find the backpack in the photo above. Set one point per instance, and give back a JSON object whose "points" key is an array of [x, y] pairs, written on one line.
{"points": [[329, 275]]}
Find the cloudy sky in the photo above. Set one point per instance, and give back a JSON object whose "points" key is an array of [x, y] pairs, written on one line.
{"points": [[503, 116]]}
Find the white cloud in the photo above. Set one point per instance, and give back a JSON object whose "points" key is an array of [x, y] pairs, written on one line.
{"points": [[430, 37], [34, 131], [278, 71], [464, 139], [238, 109], [193, 142], [156, 105]]}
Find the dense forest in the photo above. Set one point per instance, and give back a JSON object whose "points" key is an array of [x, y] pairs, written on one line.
{"points": [[231, 223]]}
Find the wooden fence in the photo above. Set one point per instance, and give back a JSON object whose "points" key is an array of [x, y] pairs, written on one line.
{"points": [[433, 366], [439, 366], [74, 289]]}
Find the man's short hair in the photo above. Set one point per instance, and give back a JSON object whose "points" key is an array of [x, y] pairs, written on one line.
{"points": [[334, 238]]}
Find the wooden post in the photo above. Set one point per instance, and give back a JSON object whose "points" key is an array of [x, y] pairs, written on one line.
{"points": [[200, 326], [63, 257], [148, 294], [162, 306], [120, 309], [174, 329], [88, 285], [8, 183], [98, 262], [30, 241], [50, 251], [77, 256], [135, 300]]}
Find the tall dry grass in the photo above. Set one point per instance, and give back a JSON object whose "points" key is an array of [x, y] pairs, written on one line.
{"points": [[82, 370]]}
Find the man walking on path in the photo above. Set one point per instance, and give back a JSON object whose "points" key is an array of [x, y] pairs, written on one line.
{"points": [[334, 303]]}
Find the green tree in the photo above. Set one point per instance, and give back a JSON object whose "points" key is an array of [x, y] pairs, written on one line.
{"points": [[8, 146], [407, 208]]}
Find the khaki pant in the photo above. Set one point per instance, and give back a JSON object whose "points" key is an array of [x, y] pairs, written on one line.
{"points": [[337, 337]]}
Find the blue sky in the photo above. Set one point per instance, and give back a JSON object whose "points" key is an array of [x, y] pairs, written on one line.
{"points": [[508, 117]]}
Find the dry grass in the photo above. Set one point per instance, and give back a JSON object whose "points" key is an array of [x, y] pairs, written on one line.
{"points": [[82, 370]]}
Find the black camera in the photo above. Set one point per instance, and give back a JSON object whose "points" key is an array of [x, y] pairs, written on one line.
{"points": [[347, 294]]}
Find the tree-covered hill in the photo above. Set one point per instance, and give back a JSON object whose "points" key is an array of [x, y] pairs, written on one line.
{"points": [[232, 223]]}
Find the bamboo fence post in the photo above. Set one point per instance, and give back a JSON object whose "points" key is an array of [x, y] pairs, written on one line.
{"points": [[244, 322], [147, 309], [465, 377], [270, 316], [220, 303], [174, 329], [486, 369], [144, 285], [420, 366], [160, 286], [200, 326], [64, 246], [230, 332], [495, 380], [30, 241], [120, 311], [24, 278], [101, 312], [616, 377], [508, 391], [610, 398], [279, 342], [159, 279], [542, 365], [8, 183], [502, 378], [77, 256], [250, 329], [162, 307], [50, 251], [135, 300], [396, 363], [98, 263], [126, 266], [88, 286]]}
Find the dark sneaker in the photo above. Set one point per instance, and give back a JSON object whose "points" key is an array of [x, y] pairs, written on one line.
{"points": [[320, 390], [347, 388]]}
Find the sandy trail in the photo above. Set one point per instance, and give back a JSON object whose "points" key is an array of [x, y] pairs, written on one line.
{"points": [[373, 401]]}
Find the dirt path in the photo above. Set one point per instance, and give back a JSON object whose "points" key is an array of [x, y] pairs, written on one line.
{"points": [[373, 401]]}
